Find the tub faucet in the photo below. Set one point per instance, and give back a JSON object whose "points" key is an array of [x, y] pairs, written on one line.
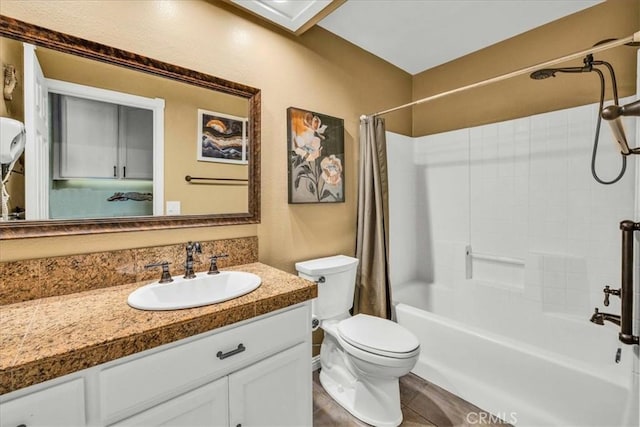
{"points": [[188, 265], [598, 318]]}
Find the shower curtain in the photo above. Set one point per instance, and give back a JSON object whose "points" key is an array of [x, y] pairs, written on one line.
{"points": [[373, 292]]}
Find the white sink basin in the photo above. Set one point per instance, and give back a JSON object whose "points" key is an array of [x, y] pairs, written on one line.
{"points": [[204, 289]]}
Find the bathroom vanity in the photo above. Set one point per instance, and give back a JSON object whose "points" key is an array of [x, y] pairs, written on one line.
{"points": [[95, 361]]}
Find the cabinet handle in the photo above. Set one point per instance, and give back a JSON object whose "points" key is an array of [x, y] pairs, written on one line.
{"points": [[240, 349], [115, 173], [124, 171]]}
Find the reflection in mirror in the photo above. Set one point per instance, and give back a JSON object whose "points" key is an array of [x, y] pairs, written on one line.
{"points": [[102, 153], [91, 91], [119, 142]]}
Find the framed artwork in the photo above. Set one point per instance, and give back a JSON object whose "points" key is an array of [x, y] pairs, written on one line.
{"points": [[222, 138], [316, 157]]}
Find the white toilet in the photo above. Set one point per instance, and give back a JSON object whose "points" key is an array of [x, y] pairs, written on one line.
{"points": [[363, 356]]}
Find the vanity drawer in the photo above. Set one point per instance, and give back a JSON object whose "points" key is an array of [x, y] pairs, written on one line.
{"points": [[59, 405], [152, 378]]}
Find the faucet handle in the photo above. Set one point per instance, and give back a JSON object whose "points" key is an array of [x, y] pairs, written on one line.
{"points": [[213, 268], [597, 317], [166, 276], [608, 291], [194, 246]]}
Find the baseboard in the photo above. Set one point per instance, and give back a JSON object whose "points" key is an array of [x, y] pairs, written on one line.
{"points": [[315, 363]]}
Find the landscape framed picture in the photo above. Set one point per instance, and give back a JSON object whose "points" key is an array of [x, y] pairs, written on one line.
{"points": [[316, 157], [222, 138]]}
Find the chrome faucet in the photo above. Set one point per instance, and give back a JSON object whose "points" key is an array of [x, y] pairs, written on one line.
{"points": [[188, 265], [166, 276], [213, 267], [598, 318]]}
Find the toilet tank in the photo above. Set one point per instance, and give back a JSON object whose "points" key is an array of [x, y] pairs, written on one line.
{"points": [[335, 295]]}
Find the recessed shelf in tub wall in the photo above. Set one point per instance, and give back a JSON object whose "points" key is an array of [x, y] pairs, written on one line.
{"points": [[557, 282], [514, 267]]}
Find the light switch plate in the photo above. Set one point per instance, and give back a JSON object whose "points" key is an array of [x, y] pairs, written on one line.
{"points": [[173, 208]]}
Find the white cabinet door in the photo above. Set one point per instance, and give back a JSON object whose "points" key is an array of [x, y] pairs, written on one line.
{"points": [[104, 140], [36, 121], [136, 143], [204, 406], [273, 392], [89, 139], [57, 406]]}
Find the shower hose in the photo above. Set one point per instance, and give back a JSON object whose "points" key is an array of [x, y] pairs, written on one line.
{"points": [[599, 122]]}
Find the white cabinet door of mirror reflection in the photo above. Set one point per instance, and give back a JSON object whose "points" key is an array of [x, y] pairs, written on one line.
{"points": [[102, 143], [94, 139]]}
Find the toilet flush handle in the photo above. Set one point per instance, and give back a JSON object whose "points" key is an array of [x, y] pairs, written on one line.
{"points": [[321, 279], [315, 323]]}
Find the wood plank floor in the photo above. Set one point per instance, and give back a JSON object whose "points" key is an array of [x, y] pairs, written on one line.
{"points": [[423, 404]]}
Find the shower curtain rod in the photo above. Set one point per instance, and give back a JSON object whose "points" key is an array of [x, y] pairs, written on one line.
{"points": [[599, 48]]}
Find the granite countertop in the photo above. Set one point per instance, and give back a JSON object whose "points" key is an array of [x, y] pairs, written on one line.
{"points": [[46, 338]]}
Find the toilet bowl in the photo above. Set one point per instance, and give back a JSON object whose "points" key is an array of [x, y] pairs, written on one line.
{"points": [[362, 356], [362, 378]]}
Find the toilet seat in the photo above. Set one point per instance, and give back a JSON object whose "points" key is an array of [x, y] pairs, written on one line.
{"points": [[378, 336]]}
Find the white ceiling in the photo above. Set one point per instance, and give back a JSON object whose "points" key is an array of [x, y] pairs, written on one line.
{"points": [[290, 14], [416, 35]]}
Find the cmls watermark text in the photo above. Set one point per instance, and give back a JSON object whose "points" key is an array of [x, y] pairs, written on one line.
{"points": [[479, 418]]}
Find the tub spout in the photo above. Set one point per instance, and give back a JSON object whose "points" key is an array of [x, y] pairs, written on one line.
{"points": [[598, 318]]}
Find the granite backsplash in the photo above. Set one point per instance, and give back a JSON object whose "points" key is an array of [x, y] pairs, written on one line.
{"points": [[45, 277]]}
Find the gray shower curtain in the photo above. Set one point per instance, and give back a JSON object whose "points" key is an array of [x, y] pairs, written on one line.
{"points": [[373, 293]]}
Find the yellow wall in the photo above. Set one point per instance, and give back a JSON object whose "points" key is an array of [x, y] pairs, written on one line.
{"points": [[317, 71], [11, 54], [522, 96]]}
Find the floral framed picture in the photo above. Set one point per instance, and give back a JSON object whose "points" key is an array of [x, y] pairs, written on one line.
{"points": [[222, 138], [316, 157]]}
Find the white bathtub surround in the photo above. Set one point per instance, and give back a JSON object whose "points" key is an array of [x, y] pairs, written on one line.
{"points": [[507, 327], [562, 282]]}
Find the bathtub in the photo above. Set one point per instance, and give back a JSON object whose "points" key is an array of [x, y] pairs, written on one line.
{"points": [[519, 372]]}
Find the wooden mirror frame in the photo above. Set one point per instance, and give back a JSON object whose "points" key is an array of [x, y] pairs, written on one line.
{"points": [[40, 36]]}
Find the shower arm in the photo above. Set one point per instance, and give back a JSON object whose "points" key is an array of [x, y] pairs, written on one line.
{"points": [[613, 114]]}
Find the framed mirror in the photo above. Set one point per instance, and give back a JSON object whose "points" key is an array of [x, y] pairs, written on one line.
{"points": [[133, 143]]}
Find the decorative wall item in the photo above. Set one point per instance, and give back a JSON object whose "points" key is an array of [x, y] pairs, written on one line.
{"points": [[222, 138], [316, 157], [10, 81]]}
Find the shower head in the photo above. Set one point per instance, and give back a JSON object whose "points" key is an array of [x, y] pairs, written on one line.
{"points": [[545, 73], [613, 114], [617, 129]]}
